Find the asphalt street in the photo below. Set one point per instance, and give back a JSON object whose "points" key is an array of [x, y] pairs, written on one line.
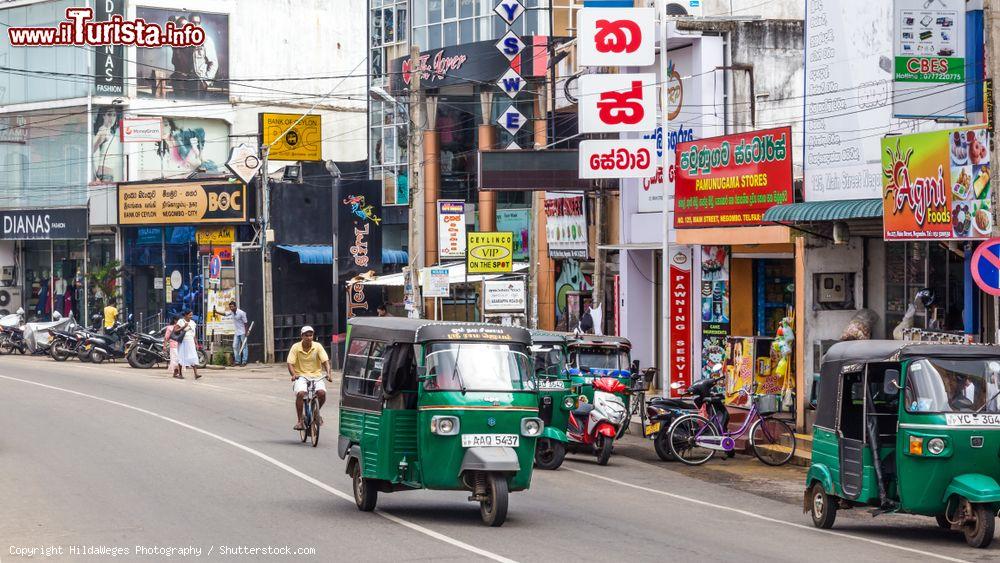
{"points": [[108, 463]]}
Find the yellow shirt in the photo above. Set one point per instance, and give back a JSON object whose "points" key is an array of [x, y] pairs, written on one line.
{"points": [[309, 364], [110, 314]]}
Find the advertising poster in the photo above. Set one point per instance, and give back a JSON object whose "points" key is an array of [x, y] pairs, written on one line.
{"points": [[106, 146], [451, 229], [516, 221], [109, 60], [436, 282], [216, 322], [490, 253], [185, 145], [200, 72], [714, 306], [182, 203], [732, 180], [937, 185], [929, 60], [566, 225], [303, 141], [680, 329], [740, 370]]}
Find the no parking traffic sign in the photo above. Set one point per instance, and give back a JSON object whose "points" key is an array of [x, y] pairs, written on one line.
{"points": [[986, 266]]}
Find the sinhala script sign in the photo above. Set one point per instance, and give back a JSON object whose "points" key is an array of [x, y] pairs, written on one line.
{"points": [[504, 295]]}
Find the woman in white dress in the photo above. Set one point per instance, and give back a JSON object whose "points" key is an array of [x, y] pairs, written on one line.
{"points": [[187, 352]]}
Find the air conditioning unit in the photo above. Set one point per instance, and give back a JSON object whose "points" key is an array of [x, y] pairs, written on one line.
{"points": [[10, 300]]}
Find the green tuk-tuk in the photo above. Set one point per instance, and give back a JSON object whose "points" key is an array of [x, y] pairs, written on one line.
{"points": [[909, 427], [593, 356], [556, 396], [438, 405]]}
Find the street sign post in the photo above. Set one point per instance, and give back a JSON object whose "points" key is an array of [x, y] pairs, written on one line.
{"points": [[985, 266]]}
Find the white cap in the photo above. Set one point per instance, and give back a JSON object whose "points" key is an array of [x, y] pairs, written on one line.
{"points": [[306, 329]]}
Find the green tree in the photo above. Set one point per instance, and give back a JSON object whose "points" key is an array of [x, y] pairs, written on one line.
{"points": [[105, 279]]}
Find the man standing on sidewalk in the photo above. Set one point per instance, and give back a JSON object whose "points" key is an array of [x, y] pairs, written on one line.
{"points": [[239, 317]]}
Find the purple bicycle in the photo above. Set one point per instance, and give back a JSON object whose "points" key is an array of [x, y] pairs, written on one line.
{"points": [[694, 438]]}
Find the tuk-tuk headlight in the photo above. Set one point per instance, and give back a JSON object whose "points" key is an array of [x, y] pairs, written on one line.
{"points": [[531, 427], [444, 425], [568, 402], [935, 445]]}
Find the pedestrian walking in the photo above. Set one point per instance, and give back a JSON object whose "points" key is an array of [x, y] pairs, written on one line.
{"points": [[187, 350], [239, 318], [171, 345]]}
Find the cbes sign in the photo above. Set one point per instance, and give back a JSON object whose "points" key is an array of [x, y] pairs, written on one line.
{"points": [[490, 253], [616, 37], [617, 103], [732, 180], [929, 49], [44, 224], [304, 141], [182, 203]]}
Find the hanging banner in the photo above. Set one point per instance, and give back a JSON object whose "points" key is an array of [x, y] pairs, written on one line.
{"points": [[566, 225], [109, 60], [516, 221], [616, 37], [451, 229], [680, 329], [937, 185], [490, 253], [929, 49], [714, 307], [732, 180]]}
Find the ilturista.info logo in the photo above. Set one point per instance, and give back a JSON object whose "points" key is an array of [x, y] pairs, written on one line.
{"points": [[80, 29]]}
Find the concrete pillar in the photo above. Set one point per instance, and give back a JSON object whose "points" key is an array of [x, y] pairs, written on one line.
{"points": [[432, 183], [545, 270], [487, 199]]}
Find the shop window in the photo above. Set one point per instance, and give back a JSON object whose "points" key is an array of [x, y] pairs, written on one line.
{"points": [[913, 266]]}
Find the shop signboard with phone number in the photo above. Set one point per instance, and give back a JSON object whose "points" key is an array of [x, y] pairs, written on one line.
{"points": [[936, 185], [732, 180]]}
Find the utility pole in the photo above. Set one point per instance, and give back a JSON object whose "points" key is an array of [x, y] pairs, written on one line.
{"points": [[600, 255], [268, 304], [992, 35], [415, 153]]}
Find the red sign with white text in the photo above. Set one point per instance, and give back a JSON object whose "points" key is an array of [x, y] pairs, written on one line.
{"points": [[680, 327], [732, 180]]}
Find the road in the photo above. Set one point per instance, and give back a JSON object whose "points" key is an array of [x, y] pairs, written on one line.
{"points": [[108, 458]]}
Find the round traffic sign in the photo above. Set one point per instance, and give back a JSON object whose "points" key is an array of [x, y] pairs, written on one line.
{"points": [[214, 267], [986, 266]]}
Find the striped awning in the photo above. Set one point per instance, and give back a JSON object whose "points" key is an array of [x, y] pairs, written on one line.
{"points": [[819, 211]]}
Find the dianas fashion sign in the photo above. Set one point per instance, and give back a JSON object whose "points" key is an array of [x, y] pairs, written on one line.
{"points": [[936, 186], [732, 180]]}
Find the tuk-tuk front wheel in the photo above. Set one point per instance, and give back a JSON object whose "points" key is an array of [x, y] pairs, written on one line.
{"points": [[365, 493], [549, 454], [823, 508], [493, 508], [979, 529]]}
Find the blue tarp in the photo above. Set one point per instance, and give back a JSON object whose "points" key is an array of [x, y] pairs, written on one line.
{"points": [[322, 254]]}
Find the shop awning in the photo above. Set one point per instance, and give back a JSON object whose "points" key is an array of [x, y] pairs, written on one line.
{"points": [[323, 254], [456, 275], [819, 211]]}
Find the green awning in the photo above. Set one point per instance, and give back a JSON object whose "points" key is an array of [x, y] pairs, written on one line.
{"points": [[818, 211]]}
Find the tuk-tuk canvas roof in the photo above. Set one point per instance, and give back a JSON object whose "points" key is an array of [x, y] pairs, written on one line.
{"points": [[404, 329], [549, 337], [594, 340]]}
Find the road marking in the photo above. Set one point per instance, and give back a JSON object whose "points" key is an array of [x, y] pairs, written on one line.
{"points": [[765, 518], [289, 469]]}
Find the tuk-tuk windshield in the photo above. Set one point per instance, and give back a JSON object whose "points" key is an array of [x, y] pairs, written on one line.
{"points": [[478, 366], [938, 385], [602, 358], [548, 359]]}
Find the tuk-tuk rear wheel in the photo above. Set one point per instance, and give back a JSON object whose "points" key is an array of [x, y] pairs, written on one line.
{"points": [[493, 509], [549, 454], [365, 495], [979, 532], [823, 508]]}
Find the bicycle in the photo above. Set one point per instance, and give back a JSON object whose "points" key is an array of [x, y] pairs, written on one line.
{"points": [[637, 399], [310, 414], [694, 439]]}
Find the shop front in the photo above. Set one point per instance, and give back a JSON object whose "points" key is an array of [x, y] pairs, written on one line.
{"points": [[177, 248]]}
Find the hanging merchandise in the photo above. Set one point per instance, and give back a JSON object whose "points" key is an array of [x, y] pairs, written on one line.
{"points": [[714, 306]]}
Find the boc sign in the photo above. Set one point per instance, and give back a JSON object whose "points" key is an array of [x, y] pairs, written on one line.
{"points": [[616, 103], [616, 37], [618, 158]]}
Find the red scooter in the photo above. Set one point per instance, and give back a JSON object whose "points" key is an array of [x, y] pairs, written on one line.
{"points": [[593, 427]]}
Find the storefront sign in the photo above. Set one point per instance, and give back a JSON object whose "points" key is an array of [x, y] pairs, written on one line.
{"points": [[363, 300], [243, 162], [358, 222], [490, 253], [937, 185], [929, 49], [616, 37], [304, 141], [436, 282], [680, 329], [732, 180], [141, 130], [504, 296], [516, 221], [985, 266], [219, 236], [714, 307], [43, 224], [182, 203], [618, 158], [13, 129], [451, 229], [566, 225], [617, 103], [109, 60], [470, 63]]}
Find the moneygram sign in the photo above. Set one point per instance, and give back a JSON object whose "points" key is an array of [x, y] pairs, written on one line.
{"points": [[732, 180]]}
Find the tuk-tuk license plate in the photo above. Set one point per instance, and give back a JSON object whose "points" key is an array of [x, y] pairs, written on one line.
{"points": [[653, 429], [490, 440], [973, 419]]}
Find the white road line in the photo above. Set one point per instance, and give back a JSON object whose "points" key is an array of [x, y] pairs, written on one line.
{"points": [[291, 470], [766, 518]]}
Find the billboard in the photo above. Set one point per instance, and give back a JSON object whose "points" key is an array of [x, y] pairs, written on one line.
{"points": [[182, 203], [200, 72], [185, 146], [490, 253], [566, 225], [732, 180], [304, 141], [451, 229], [929, 59], [937, 185]]}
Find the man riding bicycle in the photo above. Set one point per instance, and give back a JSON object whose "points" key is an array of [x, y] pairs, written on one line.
{"points": [[308, 360]]}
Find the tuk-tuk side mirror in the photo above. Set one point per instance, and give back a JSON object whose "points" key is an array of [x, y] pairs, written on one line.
{"points": [[890, 382], [421, 373]]}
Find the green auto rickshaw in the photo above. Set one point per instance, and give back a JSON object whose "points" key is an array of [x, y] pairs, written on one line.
{"points": [[556, 396], [438, 405], [594, 356], [908, 427]]}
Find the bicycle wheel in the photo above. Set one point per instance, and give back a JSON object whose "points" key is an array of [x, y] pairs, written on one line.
{"points": [[306, 423], [683, 435], [772, 440], [314, 434]]}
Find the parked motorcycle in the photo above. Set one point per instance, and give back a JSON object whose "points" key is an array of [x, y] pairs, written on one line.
{"points": [[12, 333], [110, 345], [37, 335], [66, 343], [145, 351], [660, 414], [593, 427]]}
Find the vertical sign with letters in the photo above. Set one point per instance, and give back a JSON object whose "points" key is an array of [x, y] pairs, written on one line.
{"points": [[109, 60]]}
